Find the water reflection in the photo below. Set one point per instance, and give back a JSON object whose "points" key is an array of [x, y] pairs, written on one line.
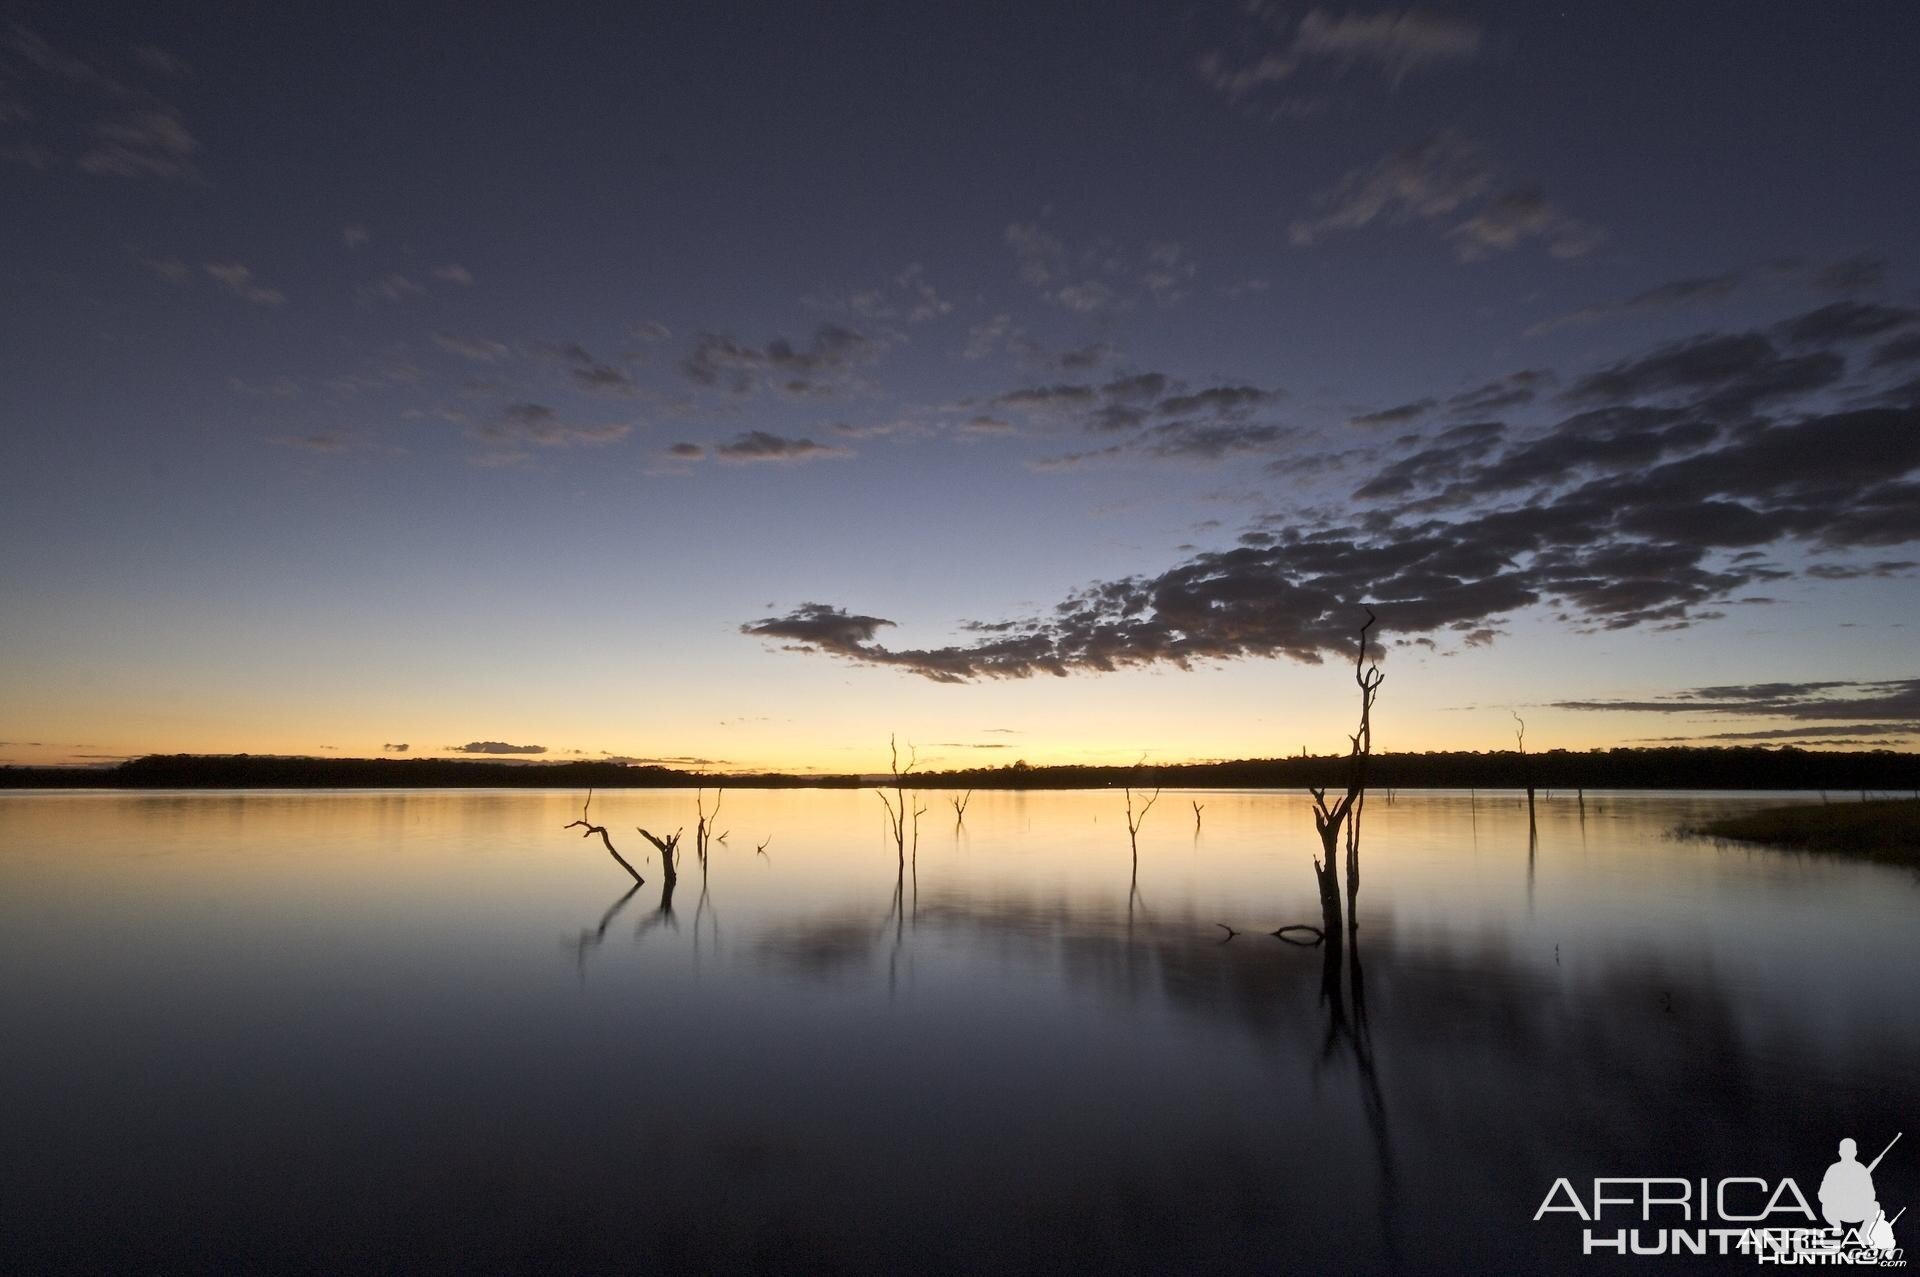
{"points": [[1004, 1057]]}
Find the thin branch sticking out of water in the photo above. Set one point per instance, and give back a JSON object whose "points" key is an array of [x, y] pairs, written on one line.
{"points": [[592, 829]]}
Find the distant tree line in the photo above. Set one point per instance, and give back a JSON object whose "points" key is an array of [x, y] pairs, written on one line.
{"points": [[1673, 767]]}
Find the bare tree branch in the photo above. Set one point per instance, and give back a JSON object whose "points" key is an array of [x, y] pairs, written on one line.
{"points": [[592, 829]]}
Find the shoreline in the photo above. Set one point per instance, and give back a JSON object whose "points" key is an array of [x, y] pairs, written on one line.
{"points": [[1886, 831]]}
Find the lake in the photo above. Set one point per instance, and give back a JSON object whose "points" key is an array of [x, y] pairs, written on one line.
{"points": [[434, 1031]]}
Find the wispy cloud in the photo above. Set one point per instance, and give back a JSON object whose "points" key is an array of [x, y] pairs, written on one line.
{"points": [[240, 280], [758, 447], [139, 135], [478, 349], [1395, 44], [823, 365], [147, 143], [584, 371], [1446, 175], [1099, 276]]}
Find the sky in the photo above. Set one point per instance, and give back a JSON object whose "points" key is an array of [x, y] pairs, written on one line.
{"points": [[736, 387]]}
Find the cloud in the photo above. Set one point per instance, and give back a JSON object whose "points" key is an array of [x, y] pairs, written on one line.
{"points": [[1843, 321], [1182, 440], [818, 626], [1517, 215], [1395, 44], [1848, 275], [1099, 276], [983, 424], [586, 372], [1669, 296], [1623, 514], [396, 749], [1162, 419], [454, 273], [1049, 398], [393, 288], [1232, 401], [1851, 274], [323, 441], [1856, 734], [1168, 270], [139, 136], [147, 143], [1398, 415], [36, 51], [908, 297], [1434, 177], [241, 282], [1881, 569], [1449, 455], [524, 423], [760, 447], [478, 349], [1895, 701], [1441, 176], [822, 365], [1501, 393], [1236, 83], [1901, 350], [1743, 368], [495, 747], [354, 236], [986, 337], [1159, 417]]}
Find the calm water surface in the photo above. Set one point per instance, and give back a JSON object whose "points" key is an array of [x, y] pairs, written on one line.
{"points": [[432, 1031]]}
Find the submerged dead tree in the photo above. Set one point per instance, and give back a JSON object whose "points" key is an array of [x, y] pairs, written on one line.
{"points": [[703, 834], [669, 848], [1341, 817], [1526, 777], [592, 829], [898, 813], [1135, 821], [960, 808]]}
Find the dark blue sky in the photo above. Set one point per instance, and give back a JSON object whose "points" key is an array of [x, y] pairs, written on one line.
{"points": [[481, 371]]}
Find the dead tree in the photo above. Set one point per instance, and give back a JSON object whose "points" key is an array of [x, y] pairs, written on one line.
{"points": [[669, 848], [898, 813], [1526, 777], [1197, 808], [1342, 815], [1134, 822], [592, 829], [703, 834], [960, 808]]}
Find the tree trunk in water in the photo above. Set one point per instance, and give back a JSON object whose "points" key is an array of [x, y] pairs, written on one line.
{"points": [[1326, 872]]}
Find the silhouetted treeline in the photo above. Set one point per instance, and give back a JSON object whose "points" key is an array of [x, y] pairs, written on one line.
{"points": [[259, 771], [1748, 767], [1673, 767]]}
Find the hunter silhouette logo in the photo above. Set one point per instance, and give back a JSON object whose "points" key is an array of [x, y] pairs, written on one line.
{"points": [[1849, 1204], [1772, 1222]]}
